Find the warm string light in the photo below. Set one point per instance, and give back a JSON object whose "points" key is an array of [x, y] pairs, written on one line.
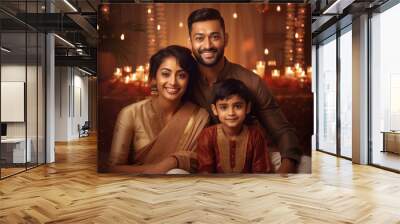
{"points": [[290, 37], [151, 30], [299, 40], [293, 70], [235, 15]]}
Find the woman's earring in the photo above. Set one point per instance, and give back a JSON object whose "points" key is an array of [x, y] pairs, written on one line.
{"points": [[153, 88]]}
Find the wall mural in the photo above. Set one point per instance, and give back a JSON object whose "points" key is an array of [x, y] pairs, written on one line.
{"points": [[204, 88]]}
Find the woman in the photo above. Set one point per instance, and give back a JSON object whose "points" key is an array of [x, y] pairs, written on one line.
{"points": [[158, 134]]}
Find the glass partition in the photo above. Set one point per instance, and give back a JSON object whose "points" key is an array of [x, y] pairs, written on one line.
{"points": [[13, 95], [326, 96], [22, 90], [346, 93], [385, 89]]}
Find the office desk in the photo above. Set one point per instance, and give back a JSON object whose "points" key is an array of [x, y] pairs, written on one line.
{"points": [[13, 150]]}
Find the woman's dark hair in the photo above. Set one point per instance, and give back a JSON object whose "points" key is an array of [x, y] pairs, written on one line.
{"points": [[229, 87], [184, 58], [205, 14]]}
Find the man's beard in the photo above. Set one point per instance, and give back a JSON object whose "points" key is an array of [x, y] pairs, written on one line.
{"points": [[218, 57]]}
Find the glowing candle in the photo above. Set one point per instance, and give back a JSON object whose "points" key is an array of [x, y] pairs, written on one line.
{"points": [[289, 72], [275, 74], [140, 72], [134, 77], [309, 71], [260, 68], [117, 72], [128, 69]]}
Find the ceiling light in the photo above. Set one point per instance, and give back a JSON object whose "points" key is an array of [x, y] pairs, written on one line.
{"points": [[65, 41], [70, 5], [84, 71], [5, 49], [337, 7]]}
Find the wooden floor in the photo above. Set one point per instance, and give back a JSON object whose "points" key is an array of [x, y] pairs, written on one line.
{"points": [[10, 171], [71, 191]]}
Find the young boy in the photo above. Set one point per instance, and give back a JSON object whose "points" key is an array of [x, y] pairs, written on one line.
{"points": [[232, 146]]}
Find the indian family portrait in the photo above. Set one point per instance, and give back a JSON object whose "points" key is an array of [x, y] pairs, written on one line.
{"points": [[204, 89]]}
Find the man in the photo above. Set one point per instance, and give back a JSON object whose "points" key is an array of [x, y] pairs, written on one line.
{"points": [[208, 40]]}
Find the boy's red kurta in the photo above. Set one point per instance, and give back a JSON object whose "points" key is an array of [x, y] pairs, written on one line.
{"points": [[217, 154]]}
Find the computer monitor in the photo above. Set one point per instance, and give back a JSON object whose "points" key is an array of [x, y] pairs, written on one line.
{"points": [[3, 129]]}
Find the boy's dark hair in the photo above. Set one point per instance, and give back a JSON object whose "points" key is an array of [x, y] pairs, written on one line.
{"points": [[185, 59], [229, 87], [205, 14]]}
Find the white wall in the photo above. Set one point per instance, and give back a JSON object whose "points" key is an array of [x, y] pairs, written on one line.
{"points": [[33, 126], [16, 73], [71, 94], [61, 103]]}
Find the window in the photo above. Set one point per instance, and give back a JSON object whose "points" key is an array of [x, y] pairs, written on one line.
{"points": [[346, 93], [385, 88], [327, 96]]}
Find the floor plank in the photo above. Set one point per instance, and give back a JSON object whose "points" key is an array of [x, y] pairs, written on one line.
{"points": [[71, 191]]}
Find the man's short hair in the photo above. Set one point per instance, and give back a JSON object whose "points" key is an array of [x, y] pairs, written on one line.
{"points": [[205, 14]]}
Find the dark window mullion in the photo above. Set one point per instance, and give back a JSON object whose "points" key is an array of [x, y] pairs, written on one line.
{"points": [[338, 98], [369, 79], [37, 90], [26, 87], [317, 97]]}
